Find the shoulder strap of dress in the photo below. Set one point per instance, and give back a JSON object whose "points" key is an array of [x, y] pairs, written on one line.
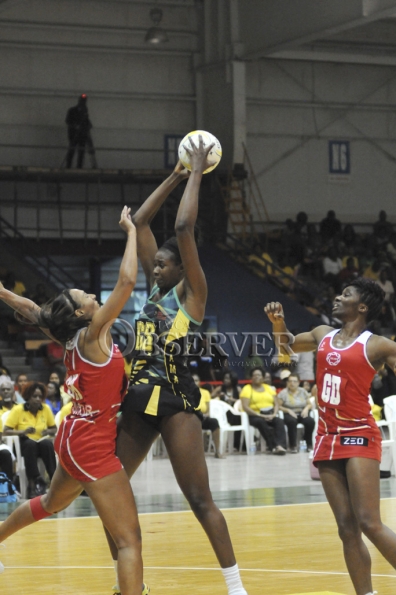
{"points": [[364, 337], [329, 335]]}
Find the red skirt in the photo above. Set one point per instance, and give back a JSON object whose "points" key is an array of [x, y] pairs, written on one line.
{"points": [[84, 452], [356, 443]]}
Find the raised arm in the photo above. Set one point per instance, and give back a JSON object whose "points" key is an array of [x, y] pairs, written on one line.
{"points": [[146, 244], [193, 289], [102, 319], [287, 343], [26, 308]]}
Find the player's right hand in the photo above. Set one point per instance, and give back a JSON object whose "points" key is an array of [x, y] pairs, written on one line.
{"points": [[274, 311], [126, 221], [181, 171]]}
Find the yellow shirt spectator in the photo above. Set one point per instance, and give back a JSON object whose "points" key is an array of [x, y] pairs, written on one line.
{"points": [[205, 400], [259, 400], [20, 419]]}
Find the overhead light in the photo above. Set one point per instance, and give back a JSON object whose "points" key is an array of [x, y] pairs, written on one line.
{"points": [[156, 34]]}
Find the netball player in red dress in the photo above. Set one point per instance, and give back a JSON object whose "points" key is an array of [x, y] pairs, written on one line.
{"points": [[348, 443], [86, 440]]}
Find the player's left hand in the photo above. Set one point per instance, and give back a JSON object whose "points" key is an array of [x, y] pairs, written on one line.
{"points": [[126, 220], [199, 155], [181, 171], [274, 311]]}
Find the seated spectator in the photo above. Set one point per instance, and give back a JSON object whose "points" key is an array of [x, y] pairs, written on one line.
{"points": [[373, 270], [382, 229], [13, 285], [6, 464], [305, 367], [307, 386], [7, 396], [34, 423], [386, 285], [3, 370], [349, 272], [54, 399], [332, 265], [260, 403], [229, 390], [330, 227], [55, 377], [208, 423], [21, 382], [295, 404]]}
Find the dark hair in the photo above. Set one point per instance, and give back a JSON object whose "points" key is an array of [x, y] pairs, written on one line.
{"points": [[58, 316], [257, 368], [371, 295], [172, 246], [31, 387], [233, 377], [295, 376], [57, 389]]}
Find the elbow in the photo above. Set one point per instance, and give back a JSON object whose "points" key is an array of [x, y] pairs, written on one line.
{"points": [[128, 281], [182, 227]]}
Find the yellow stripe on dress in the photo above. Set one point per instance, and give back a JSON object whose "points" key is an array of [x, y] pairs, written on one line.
{"points": [[152, 405]]}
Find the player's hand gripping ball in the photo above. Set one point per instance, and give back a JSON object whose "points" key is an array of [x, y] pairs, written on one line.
{"points": [[214, 155]]}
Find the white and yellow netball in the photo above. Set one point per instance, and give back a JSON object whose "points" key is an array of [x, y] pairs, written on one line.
{"points": [[214, 155]]}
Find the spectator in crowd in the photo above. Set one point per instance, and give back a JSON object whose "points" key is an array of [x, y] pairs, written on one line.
{"points": [[229, 390], [386, 285], [391, 248], [55, 377], [20, 383], [382, 229], [305, 367], [79, 133], [349, 272], [208, 423], [295, 403], [40, 296], [330, 227], [7, 397], [66, 409], [34, 423], [332, 266], [307, 386], [349, 236], [4, 371], [54, 399], [53, 355], [6, 464], [373, 270], [350, 252], [11, 283], [260, 403]]}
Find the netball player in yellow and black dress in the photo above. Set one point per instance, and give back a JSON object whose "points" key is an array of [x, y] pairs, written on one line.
{"points": [[162, 398]]}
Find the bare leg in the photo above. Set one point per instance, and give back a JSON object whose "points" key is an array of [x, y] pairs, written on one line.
{"points": [[135, 438], [182, 434], [364, 488], [114, 501], [62, 491], [356, 554]]}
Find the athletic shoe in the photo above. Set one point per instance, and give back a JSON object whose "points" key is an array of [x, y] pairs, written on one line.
{"points": [[145, 590], [2, 566], [278, 450]]}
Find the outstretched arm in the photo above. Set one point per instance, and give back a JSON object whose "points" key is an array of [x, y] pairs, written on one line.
{"points": [[146, 244], [103, 318], [287, 343], [193, 289], [25, 307]]}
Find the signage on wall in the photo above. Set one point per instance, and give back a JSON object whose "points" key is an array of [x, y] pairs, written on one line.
{"points": [[339, 158], [171, 145]]}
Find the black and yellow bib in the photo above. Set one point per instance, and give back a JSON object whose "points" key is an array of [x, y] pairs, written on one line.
{"points": [[160, 358]]}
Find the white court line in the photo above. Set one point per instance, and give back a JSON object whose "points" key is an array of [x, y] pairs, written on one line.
{"points": [[73, 518], [194, 568]]}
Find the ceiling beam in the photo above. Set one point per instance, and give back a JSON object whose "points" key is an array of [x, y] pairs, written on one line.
{"points": [[273, 26]]}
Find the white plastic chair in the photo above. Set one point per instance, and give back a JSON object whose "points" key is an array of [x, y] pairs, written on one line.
{"points": [[13, 443], [218, 409], [250, 431], [390, 423]]}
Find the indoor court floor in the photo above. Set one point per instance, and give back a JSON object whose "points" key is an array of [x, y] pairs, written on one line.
{"points": [[282, 529]]}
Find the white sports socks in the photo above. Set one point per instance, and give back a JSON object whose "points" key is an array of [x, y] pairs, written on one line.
{"points": [[116, 586], [233, 580]]}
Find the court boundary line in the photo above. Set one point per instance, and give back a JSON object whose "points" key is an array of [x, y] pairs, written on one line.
{"points": [[200, 569]]}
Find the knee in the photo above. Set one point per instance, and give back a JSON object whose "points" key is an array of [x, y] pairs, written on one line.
{"points": [[200, 503], [347, 530], [369, 526], [132, 538]]}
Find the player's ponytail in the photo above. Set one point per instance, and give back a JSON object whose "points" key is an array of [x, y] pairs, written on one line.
{"points": [[59, 317]]}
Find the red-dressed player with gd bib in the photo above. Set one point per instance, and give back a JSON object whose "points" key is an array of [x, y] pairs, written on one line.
{"points": [[348, 443]]}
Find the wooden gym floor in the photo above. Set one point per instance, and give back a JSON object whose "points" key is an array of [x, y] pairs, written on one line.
{"points": [[283, 531], [280, 549]]}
